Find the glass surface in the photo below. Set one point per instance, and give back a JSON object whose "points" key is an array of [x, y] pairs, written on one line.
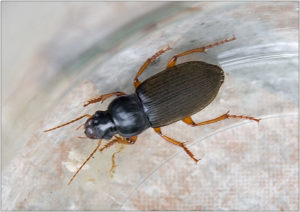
{"points": [[58, 55]]}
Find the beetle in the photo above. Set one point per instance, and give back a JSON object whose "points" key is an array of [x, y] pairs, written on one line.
{"points": [[173, 94]]}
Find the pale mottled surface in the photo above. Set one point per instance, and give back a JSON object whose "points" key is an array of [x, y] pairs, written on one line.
{"points": [[80, 52]]}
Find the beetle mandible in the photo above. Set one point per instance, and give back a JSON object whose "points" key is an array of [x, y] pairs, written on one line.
{"points": [[174, 94]]}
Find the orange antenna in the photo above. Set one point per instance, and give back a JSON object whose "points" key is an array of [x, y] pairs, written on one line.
{"points": [[91, 155], [86, 115]]}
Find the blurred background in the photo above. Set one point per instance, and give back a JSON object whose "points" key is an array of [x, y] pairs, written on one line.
{"points": [[56, 55]]}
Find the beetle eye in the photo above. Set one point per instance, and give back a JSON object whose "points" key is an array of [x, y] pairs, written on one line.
{"points": [[95, 122]]}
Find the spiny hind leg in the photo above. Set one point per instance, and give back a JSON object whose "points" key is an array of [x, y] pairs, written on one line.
{"points": [[181, 144], [136, 81], [172, 62], [102, 98], [189, 120]]}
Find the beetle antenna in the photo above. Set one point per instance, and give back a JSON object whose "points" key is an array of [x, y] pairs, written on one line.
{"points": [[91, 155], [62, 125]]}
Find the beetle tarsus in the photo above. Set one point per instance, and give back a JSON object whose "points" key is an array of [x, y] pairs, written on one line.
{"points": [[189, 153], [136, 81], [243, 117], [203, 49], [189, 120], [102, 98]]}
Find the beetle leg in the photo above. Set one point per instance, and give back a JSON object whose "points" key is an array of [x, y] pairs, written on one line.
{"points": [[127, 140], [102, 98], [109, 144], [113, 161], [158, 131], [136, 82], [133, 139], [190, 121], [172, 62], [117, 139], [122, 141]]}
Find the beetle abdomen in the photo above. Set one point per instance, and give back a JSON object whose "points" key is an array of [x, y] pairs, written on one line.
{"points": [[179, 92]]}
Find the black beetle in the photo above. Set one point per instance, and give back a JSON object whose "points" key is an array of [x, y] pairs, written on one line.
{"points": [[174, 94]]}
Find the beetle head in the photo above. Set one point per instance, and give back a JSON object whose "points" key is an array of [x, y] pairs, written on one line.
{"points": [[100, 126]]}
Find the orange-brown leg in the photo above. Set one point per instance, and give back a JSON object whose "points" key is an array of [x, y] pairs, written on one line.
{"points": [[91, 155], [136, 82], [116, 139], [62, 125], [122, 141], [190, 121], [133, 139], [172, 62], [158, 131], [127, 140], [113, 160], [102, 98], [109, 144]]}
